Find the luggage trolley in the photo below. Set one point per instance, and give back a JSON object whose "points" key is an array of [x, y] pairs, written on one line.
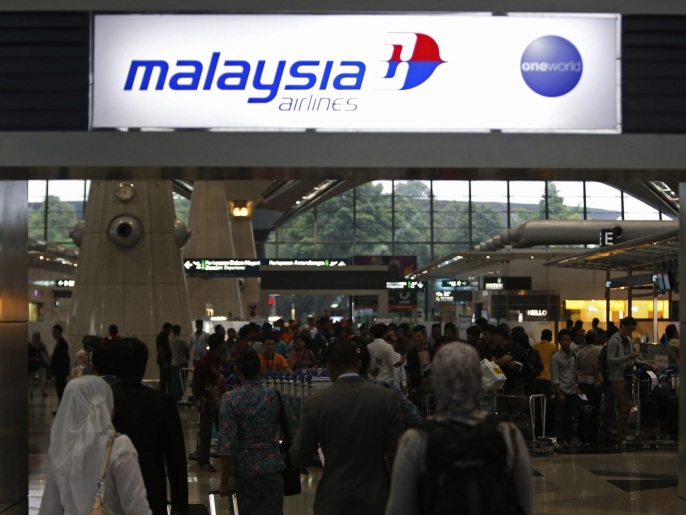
{"points": [[656, 399], [489, 397], [540, 444], [667, 398], [643, 381]]}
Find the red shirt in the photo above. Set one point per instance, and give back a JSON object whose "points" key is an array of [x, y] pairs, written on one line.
{"points": [[209, 383]]}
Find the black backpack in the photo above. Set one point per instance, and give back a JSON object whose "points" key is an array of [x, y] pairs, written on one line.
{"points": [[526, 373], [536, 362], [467, 471], [602, 358]]}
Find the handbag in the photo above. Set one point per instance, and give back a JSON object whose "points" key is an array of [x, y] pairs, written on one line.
{"points": [[291, 474], [98, 508]]}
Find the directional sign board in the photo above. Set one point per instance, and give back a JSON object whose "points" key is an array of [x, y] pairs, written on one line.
{"points": [[455, 283], [405, 285], [246, 267], [444, 296], [304, 262], [222, 267]]}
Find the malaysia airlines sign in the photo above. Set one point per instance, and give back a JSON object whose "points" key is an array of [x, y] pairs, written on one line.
{"points": [[446, 72]]}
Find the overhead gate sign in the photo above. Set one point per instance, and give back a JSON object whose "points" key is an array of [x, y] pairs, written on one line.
{"points": [[438, 72]]}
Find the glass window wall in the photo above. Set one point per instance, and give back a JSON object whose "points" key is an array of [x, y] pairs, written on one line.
{"points": [[429, 219]]}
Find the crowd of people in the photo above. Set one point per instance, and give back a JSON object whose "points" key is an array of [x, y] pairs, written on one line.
{"points": [[380, 374]]}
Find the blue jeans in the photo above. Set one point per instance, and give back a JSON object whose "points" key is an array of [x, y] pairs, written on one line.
{"points": [[177, 386], [205, 436]]}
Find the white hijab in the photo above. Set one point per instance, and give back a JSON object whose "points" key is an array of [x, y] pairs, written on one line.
{"points": [[457, 384], [77, 441]]}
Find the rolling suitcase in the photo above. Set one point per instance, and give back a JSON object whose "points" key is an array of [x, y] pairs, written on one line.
{"points": [[234, 504], [587, 423], [193, 509]]}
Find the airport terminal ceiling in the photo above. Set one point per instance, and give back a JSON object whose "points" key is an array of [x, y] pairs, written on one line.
{"points": [[309, 6], [321, 164], [78, 153]]}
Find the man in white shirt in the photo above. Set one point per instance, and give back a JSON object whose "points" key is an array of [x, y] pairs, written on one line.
{"points": [[198, 342], [383, 356]]}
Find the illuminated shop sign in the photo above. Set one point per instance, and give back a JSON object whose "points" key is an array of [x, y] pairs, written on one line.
{"points": [[507, 283], [449, 72]]}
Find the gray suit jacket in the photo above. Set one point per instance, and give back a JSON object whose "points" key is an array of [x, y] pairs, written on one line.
{"points": [[357, 425]]}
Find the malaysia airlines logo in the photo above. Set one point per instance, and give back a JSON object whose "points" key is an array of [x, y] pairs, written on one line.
{"points": [[424, 61], [267, 79]]}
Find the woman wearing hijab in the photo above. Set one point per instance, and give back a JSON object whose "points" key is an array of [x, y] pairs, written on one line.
{"points": [[79, 434], [457, 387]]}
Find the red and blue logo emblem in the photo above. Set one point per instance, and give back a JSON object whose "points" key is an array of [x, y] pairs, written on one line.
{"points": [[424, 61]]}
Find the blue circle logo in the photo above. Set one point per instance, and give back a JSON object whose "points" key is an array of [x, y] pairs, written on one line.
{"points": [[551, 66]]}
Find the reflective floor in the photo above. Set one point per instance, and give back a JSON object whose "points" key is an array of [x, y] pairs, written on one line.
{"points": [[586, 480]]}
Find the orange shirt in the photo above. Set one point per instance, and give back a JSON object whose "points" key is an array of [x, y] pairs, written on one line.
{"points": [[276, 363]]}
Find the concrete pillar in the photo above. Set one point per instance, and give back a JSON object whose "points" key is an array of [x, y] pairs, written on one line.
{"points": [[681, 507], [209, 223], [14, 434], [244, 243], [129, 271]]}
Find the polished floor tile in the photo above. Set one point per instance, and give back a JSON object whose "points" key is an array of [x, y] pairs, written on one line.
{"points": [[586, 480]]}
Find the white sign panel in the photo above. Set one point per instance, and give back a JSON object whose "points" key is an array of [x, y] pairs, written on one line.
{"points": [[444, 72]]}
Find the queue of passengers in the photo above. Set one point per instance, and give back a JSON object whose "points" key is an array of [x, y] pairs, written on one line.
{"points": [[377, 374], [115, 429]]}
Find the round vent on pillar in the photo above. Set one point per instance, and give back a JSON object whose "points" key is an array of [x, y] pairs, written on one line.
{"points": [[125, 231]]}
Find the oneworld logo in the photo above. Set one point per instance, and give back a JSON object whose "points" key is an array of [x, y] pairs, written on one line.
{"points": [[266, 79], [551, 66]]}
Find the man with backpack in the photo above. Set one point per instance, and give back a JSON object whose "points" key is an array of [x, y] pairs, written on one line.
{"points": [[462, 459], [620, 360], [608, 420], [516, 366]]}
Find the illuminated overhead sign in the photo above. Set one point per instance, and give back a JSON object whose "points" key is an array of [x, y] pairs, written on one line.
{"points": [[446, 72], [238, 267], [444, 296], [405, 285], [455, 283], [304, 262], [65, 283], [222, 267]]}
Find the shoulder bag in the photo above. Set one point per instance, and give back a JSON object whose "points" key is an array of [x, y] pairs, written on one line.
{"points": [[98, 508], [291, 475]]}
